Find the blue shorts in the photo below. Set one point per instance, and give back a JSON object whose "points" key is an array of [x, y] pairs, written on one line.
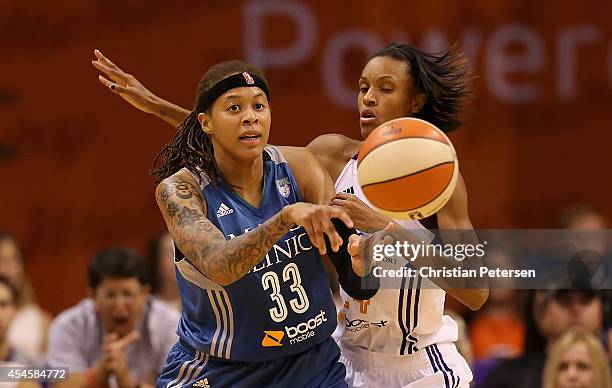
{"points": [[316, 367]]}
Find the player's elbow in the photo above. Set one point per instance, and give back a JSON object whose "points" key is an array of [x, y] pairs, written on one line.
{"points": [[477, 298]]}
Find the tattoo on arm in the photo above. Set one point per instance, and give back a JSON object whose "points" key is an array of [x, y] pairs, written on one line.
{"points": [[181, 204]]}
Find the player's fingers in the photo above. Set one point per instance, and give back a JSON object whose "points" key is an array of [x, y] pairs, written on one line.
{"points": [[334, 238], [342, 215], [102, 67], [112, 73], [114, 87], [354, 245], [344, 196], [338, 202], [311, 234], [128, 339], [100, 57], [317, 231], [389, 229], [390, 226]]}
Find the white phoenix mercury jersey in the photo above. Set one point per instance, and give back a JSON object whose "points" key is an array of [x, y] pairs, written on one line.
{"points": [[395, 321]]}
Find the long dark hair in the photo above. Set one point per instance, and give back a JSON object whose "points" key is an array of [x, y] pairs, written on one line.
{"points": [[445, 78], [191, 147]]}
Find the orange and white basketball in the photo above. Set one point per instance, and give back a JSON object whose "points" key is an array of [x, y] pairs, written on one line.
{"points": [[407, 168]]}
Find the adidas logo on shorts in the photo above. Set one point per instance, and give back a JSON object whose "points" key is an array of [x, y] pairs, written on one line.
{"points": [[224, 210], [202, 383]]}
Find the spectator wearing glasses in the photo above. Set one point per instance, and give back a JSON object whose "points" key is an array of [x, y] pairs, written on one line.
{"points": [[119, 337]]}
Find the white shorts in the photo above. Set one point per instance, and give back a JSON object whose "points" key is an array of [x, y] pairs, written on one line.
{"points": [[435, 366]]}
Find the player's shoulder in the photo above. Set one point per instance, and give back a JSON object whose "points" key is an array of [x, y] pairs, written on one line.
{"points": [[302, 162], [295, 154], [334, 151], [333, 143], [182, 176]]}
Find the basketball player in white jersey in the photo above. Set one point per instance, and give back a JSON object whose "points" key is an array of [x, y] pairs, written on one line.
{"points": [[400, 337]]}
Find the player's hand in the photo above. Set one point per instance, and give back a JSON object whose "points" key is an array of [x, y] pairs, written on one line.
{"points": [[124, 84], [361, 248], [113, 357], [365, 218], [316, 219]]}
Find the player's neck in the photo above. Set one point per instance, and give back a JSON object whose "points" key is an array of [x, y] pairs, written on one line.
{"points": [[246, 179]]}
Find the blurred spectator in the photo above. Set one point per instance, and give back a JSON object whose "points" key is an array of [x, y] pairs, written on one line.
{"points": [[9, 354], [163, 277], [577, 360], [581, 216], [498, 329], [28, 330], [120, 337], [554, 312], [592, 241], [588, 235]]}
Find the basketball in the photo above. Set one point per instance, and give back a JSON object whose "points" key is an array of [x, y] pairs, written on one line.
{"points": [[407, 168]]}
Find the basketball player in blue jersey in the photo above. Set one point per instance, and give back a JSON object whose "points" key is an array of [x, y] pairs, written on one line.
{"points": [[398, 337], [257, 306]]}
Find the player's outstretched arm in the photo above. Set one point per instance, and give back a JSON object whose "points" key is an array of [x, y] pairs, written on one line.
{"points": [[132, 91], [225, 261], [456, 228]]}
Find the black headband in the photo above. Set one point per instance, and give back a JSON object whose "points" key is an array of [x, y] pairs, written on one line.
{"points": [[233, 81]]}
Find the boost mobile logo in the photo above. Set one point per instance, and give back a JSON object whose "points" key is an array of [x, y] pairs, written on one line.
{"points": [[305, 330]]}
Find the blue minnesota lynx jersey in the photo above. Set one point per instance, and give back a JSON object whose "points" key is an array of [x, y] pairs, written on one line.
{"points": [[283, 306]]}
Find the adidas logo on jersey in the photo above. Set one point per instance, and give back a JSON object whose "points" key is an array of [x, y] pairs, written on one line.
{"points": [[350, 190], [202, 383], [224, 210]]}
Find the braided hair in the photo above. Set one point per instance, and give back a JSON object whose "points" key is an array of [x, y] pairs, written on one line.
{"points": [[191, 147]]}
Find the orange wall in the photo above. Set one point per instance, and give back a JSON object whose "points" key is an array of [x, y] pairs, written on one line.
{"points": [[74, 157]]}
